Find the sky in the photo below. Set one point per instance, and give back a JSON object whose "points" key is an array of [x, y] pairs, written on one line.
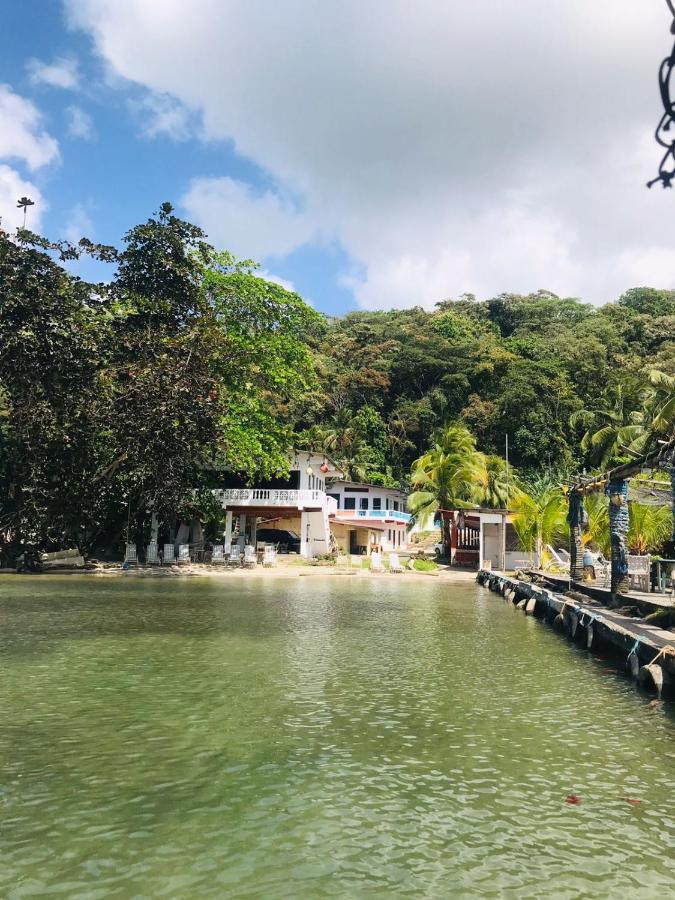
{"points": [[368, 153]]}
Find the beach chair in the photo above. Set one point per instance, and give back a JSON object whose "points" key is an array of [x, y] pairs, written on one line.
{"points": [[169, 555], [638, 572], [250, 560], [395, 563], [234, 558], [376, 562], [269, 556], [183, 554], [152, 554], [130, 555], [218, 555], [558, 559]]}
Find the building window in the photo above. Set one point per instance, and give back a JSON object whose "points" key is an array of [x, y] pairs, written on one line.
{"points": [[363, 503], [396, 505], [335, 497], [377, 503], [350, 502]]}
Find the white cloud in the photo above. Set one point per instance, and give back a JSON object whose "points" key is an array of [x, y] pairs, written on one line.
{"points": [[13, 186], [449, 147], [276, 279], [78, 224], [79, 123], [252, 226], [21, 136], [62, 73], [161, 114]]}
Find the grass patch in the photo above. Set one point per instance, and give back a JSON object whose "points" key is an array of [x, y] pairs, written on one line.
{"points": [[424, 565]]}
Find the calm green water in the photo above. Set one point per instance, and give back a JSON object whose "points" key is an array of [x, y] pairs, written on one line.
{"points": [[374, 737]]}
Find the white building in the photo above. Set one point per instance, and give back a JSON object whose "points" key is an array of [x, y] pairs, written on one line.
{"points": [[298, 503], [368, 516]]}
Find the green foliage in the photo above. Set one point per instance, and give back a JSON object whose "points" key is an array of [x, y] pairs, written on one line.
{"points": [[543, 369], [424, 565], [540, 512], [122, 399], [450, 475], [649, 528], [128, 399]]}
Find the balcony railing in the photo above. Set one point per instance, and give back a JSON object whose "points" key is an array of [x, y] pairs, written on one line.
{"points": [[273, 497], [394, 514]]}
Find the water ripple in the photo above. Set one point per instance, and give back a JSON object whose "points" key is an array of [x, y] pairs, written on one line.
{"points": [[295, 739]]}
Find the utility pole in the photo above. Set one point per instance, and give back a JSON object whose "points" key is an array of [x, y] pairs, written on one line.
{"points": [[507, 471]]}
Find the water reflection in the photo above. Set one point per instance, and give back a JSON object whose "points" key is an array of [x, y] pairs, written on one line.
{"points": [[357, 737]]}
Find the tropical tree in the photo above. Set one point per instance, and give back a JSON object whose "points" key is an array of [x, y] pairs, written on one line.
{"points": [[616, 425], [500, 487], [450, 475], [661, 406], [23, 203], [649, 528], [540, 515], [596, 533]]}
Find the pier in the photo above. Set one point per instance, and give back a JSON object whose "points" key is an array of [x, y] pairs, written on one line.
{"points": [[647, 650]]}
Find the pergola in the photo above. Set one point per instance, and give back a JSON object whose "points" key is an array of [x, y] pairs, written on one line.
{"points": [[615, 485]]}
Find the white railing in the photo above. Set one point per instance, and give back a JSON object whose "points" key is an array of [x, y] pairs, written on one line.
{"points": [[272, 497], [395, 515]]}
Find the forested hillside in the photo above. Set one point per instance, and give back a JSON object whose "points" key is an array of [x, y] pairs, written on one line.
{"points": [[135, 397], [542, 369]]}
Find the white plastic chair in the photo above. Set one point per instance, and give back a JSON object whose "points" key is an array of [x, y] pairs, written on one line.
{"points": [[250, 559], [130, 555], [376, 562], [638, 572], [269, 556], [234, 558], [395, 563], [152, 554], [169, 555], [183, 554], [218, 555]]}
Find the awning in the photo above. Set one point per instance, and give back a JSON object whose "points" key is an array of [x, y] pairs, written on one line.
{"points": [[359, 523]]}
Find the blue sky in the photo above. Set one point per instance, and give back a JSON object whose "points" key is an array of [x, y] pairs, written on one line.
{"points": [[371, 155], [105, 182]]}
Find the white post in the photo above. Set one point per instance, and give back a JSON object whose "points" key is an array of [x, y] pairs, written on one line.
{"points": [[242, 530], [228, 527], [481, 543], [503, 548], [305, 544]]}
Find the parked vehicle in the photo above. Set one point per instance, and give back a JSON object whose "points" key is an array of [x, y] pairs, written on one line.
{"points": [[286, 541]]}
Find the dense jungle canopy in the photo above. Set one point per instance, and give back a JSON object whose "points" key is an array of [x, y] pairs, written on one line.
{"points": [[135, 395]]}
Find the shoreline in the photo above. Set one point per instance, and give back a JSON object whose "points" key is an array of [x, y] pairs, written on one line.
{"points": [[279, 571]]}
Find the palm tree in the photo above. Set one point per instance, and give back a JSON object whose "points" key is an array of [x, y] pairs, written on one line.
{"points": [[501, 484], [620, 423], [596, 533], [540, 515], [450, 475], [661, 406], [649, 528], [24, 203]]}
